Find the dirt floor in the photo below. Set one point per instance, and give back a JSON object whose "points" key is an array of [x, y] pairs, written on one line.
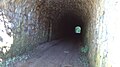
{"points": [[57, 53]]}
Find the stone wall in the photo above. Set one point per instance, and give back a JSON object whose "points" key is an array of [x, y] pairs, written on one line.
{"points": [[94, 30], [102, 34], [22, 23]]}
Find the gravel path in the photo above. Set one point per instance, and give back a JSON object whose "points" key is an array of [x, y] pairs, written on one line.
{"points": [[58, 53]]}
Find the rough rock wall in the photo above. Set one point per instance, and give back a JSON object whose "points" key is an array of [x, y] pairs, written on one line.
{"points": [[94, 34], [102, 34], [22, 23]]}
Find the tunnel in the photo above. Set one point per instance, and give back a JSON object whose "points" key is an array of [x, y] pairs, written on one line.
{"points": [[67, 25], [61, 18], [48, 20], [26, 25]]}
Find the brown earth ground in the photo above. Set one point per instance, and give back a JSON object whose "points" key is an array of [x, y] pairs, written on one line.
{"points": [[57, 53]]}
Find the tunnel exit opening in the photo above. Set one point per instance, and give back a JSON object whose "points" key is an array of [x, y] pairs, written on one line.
{"points": [[78, 29]]}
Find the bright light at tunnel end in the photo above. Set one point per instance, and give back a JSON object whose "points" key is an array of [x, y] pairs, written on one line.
{"points": [[78, 29]]}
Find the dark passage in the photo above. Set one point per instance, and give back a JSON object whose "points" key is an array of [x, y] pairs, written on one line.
{"points": [[67, 25]]}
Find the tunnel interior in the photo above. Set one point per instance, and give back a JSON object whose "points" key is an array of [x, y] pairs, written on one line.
{"points": [[62, 17], [42, 21], [25, 24], [67, 25]]}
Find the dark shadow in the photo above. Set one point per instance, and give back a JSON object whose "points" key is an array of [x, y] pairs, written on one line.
{"points": [[67, 25]]}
